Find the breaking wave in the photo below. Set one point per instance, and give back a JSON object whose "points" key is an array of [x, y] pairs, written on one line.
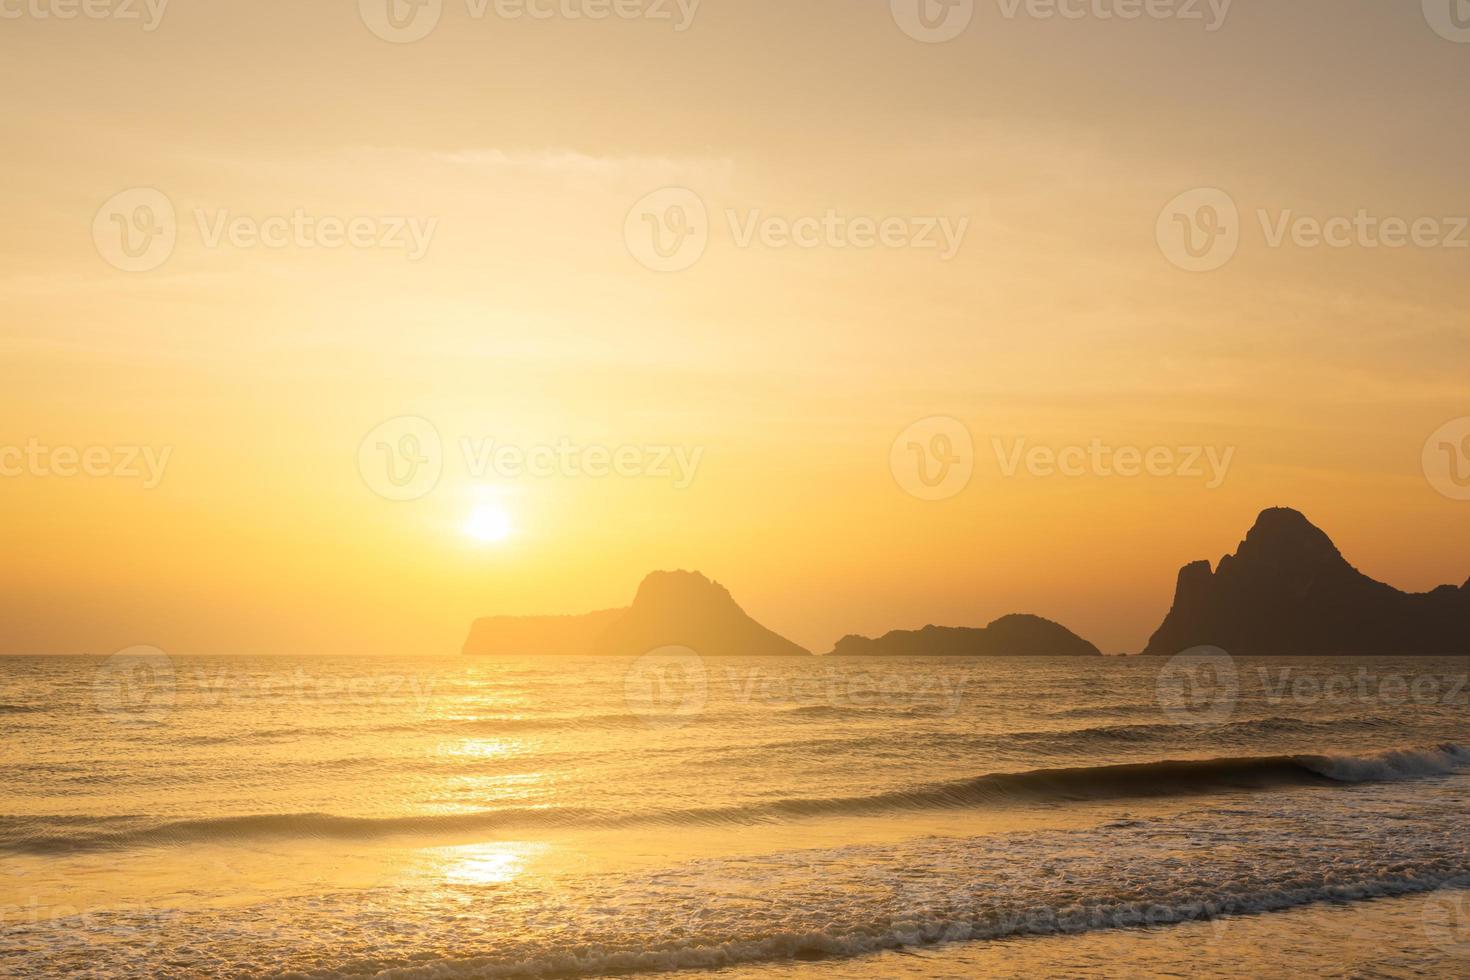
{"points": [[1135, 780]]}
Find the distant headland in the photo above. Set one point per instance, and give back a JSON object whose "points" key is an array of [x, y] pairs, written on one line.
{"points": [[687, 609], [670, 609], [1287, 590], [1009, 636]]}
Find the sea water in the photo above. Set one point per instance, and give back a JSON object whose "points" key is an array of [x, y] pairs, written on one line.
{"points": [[462, 817]]}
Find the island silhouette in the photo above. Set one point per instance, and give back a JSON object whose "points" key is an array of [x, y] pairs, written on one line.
{"points": [[688, 609], [670, 609], [1286, 590], [1017, 635]]}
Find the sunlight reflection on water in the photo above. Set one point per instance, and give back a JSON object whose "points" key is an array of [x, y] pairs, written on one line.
{"points": [[486, 864]]}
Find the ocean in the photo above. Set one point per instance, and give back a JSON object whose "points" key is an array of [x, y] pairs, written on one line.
{"points": [[455, 817]]}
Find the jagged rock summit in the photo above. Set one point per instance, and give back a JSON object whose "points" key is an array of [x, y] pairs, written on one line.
{"points": [[670, 609], [1009, 636], [1287, 590]]}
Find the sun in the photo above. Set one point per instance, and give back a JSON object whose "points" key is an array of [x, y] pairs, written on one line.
{"points": [[489, 523]]}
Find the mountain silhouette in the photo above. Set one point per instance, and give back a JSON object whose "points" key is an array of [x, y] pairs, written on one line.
{"points": [[1009, 636], [1288, 590], [670, 609], [687, 609]]}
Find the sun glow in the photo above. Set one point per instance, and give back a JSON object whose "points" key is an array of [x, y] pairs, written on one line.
{"points": [[488, 864], [489, 523]]}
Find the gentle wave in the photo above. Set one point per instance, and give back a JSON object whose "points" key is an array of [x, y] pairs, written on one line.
{"points": [[15, 834], [1272, 725], [915, 931], [1049, 740], [1146, 779]]}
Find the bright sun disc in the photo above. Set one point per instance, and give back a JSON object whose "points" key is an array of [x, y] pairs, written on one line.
{"points": [[488, 522]]}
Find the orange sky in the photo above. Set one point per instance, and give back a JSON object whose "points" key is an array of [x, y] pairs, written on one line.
{"points": [[519, 148]]}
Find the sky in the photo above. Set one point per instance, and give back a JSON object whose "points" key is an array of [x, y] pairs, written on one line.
{"points": [[372, 325]]}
